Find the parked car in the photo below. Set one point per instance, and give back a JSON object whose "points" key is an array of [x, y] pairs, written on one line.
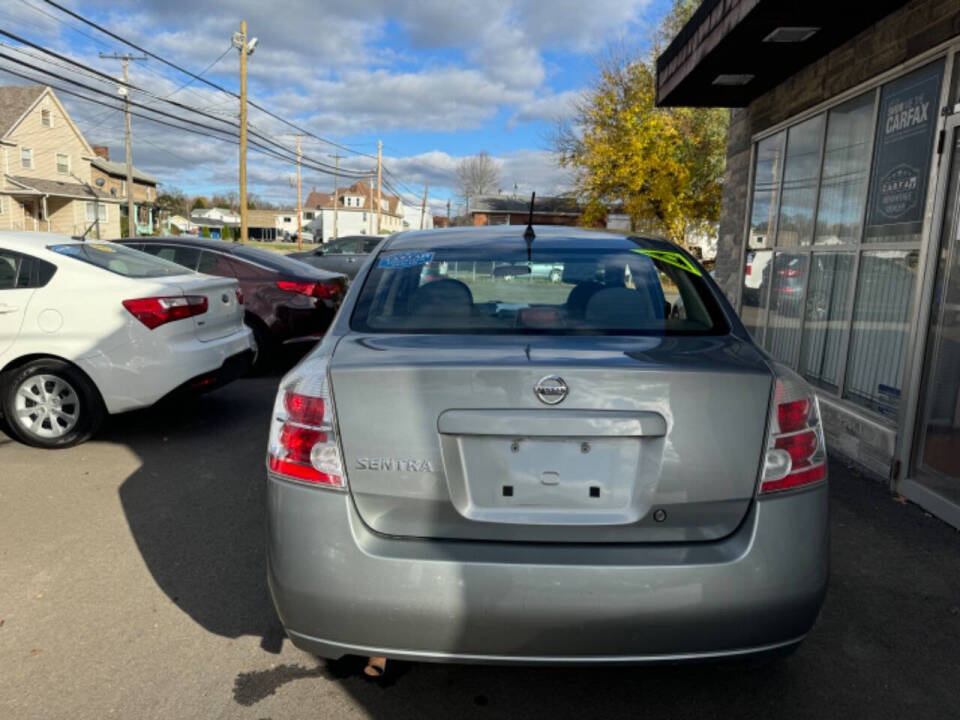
{"points": [[285, 301], [591, 475], [343, 255], [90, 328]]}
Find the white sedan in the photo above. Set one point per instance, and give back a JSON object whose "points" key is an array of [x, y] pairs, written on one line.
{"points": [[89, 328]]}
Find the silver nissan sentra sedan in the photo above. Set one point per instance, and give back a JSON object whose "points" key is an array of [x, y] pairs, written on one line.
{"points": [[480, 463]]}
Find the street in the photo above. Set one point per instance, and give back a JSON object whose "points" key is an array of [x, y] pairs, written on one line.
{"points": [[132, 585]]}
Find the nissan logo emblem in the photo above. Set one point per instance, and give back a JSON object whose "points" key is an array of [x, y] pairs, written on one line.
{"points": [[551, 389]]}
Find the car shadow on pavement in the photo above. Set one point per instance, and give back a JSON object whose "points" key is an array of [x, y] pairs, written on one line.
{"points": [[195, 507]]}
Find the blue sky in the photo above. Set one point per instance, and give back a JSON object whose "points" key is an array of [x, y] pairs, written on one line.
{"points": [[436, 80]]}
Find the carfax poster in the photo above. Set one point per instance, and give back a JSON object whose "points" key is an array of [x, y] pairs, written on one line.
{"points": [[906, 125]]}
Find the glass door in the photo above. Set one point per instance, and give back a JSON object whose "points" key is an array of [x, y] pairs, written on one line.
{"points": [[938, 439]]}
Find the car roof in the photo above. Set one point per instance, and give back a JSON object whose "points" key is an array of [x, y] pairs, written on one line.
{"points": [[221, 245], [556, 237], [278, 262]]}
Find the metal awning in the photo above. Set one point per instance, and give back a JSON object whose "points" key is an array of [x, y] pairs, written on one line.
{"points": [[732, 51]]}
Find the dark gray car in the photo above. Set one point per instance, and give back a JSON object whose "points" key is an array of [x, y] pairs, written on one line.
{"points": [[344, 255], [478, 464]]}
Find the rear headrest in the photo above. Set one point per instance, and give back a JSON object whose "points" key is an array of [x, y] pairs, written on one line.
{"points": [[442, 297], [621, 307]]}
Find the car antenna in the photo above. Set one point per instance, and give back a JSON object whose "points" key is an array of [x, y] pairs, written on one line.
{"points": [[528, 234]]}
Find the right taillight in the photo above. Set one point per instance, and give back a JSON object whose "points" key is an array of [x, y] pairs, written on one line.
{"points": [[796, 453], [156, 311], [304, 446]]}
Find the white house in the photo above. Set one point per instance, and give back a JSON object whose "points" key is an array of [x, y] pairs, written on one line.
{"points": [[411, 218], [355, 212]]}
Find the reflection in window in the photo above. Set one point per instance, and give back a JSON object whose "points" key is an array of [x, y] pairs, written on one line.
{"points": [[756, 286], [881, 325], [800, 183], [766, 182], [828, 302], [786, 306], [846, 163]]}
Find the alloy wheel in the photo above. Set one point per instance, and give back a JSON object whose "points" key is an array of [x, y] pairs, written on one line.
{"points": [[46, 406]]}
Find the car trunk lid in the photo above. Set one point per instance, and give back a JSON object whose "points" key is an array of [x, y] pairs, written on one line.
{"points": [[224, 315], [658, 439]]}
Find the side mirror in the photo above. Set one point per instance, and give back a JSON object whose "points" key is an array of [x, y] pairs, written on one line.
{"points": [[318, 251]]}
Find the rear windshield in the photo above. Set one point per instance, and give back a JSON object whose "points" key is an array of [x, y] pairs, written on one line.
{"points": [[120, 259], [623, 291]]}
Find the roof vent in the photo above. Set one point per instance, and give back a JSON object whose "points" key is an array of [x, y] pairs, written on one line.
{"points": [[791, 34], [728, 79]]}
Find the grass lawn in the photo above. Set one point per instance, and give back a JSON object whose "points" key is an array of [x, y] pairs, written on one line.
{"points": [[277, 247]]}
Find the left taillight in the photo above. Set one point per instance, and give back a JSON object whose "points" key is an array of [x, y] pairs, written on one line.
{"points": [[156, 311], [796, 452], [304, 444], [239, 293]]}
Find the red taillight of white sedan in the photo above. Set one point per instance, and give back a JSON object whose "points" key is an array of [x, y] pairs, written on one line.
{"points": [[156, 311], [796, 452]]}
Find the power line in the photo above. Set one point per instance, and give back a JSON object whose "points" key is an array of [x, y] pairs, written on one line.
{"points": [[230, 137], [183, 70], [131, 86], [97, 41], [202, 72]]}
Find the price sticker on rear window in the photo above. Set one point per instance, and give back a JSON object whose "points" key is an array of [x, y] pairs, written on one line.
{"points": [[102, 248], [405, 260]]}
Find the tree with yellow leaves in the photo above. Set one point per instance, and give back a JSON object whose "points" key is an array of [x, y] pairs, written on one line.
{"points": [[662, 166]]}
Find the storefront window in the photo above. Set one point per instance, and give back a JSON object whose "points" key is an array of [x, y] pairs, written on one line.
{"points": [[881, 324], [827, 309], [756, 287], [818, 292], [846, 161], [766, 188], [800, 183], [786, 306]]}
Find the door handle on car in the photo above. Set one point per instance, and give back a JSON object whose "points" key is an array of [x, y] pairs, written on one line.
{"points": [[7, 308]]}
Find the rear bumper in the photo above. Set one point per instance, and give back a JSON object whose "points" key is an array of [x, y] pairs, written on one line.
{"points": [[341, 589], [137, 375]]}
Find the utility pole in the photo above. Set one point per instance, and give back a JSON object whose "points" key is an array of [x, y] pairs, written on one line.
{"points": [[125, 58], [423, 204], [336, 192], [245, 48], [299, 200], [370, 202], [379, 182], [448, 212]]}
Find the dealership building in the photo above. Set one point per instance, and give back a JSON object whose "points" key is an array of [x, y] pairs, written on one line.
{"points": [[839, 237]]}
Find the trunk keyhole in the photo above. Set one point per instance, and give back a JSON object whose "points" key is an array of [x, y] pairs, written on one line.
{"points": [[584, 447]]}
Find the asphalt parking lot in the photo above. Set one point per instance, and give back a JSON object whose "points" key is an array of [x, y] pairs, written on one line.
{"points": [[132, 586]]}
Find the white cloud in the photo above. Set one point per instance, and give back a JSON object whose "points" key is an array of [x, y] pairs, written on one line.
{"points": [[342, 69]]}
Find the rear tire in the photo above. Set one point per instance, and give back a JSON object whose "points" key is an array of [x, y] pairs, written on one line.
{"points": [[266, 354], [49, 403]]}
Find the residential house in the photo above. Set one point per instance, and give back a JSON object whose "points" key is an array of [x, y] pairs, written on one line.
{"points": [[182, 224], [513, 210], [355, 212], [411, 218], [215, 220], [46, 181], [114, 176]]}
